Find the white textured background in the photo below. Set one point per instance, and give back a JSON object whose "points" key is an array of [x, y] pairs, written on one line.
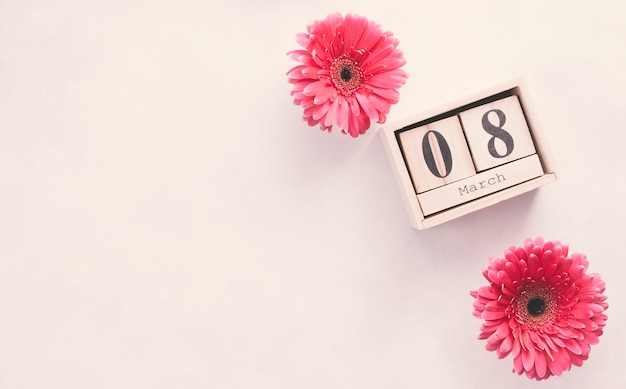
{"points": [[168, 221]]}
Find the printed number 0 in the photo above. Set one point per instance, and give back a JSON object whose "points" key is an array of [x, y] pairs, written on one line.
{"points": [[497, 132], [429, 158]]}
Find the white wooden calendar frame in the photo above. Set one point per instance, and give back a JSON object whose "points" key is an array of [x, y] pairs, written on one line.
{"points": [[390, 139]]}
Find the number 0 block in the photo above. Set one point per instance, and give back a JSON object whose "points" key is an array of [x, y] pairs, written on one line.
{"points": [[437, 154], [468, 155]]}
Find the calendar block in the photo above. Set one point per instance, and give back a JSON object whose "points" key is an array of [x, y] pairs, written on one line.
{"points": [[429, 152], [497, 133], [468, 155]]}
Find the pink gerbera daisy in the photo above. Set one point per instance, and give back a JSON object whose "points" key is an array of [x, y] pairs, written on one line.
{"points": [[349, 73], [541, 307]]}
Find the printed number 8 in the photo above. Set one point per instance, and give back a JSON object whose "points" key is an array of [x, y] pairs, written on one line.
{"points": [[497, 132]]}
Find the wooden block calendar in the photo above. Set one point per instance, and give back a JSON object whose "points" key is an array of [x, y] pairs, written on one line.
{"points": [[468, 154]]}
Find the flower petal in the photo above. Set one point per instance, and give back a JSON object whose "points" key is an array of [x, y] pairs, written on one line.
{"points": [[502, 332], [314, 88], [386, 81], [325, 94], [493, 315], [343, 114], [528, 358], [505, 347], [541, 365], [557, 365], [331, 115], [573, 346], [367, 107]]}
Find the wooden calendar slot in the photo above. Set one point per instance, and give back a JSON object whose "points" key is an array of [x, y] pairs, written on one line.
{"points": [[436, 154], [468, 154], [482, 184], [497, 133]]}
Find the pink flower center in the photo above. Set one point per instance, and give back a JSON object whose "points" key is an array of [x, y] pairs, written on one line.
{"points": [[346, 75], [536, 307]]}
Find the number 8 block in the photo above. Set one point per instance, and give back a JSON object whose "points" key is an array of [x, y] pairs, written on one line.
{"points": [[497, 133]]}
